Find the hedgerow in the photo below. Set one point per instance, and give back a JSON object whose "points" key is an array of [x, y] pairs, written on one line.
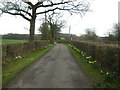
{"points": [[13, 50], [106, 55]]}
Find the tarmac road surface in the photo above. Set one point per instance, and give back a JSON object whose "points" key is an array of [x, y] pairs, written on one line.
{"points": [[57, 69]]}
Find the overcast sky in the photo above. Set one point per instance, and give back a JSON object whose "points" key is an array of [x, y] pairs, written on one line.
{"points": [[102, 17]]}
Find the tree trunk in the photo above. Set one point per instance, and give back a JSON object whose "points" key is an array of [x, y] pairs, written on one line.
{"points": [[32, 25], [32, 30]]}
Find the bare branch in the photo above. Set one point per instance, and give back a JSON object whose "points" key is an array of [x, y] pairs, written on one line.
{"points": [[15, 9], [70, 10], [24, 12], [29, 11], [46, 11], [70, 6], [27, 2], [38, 3], [19, 15], [52, 4]]}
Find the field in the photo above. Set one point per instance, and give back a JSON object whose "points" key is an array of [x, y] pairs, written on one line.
{"points": [[11, 41]]}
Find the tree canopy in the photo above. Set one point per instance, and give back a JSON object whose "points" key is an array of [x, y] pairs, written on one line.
{"points": [[51, 26], [30, 9]]}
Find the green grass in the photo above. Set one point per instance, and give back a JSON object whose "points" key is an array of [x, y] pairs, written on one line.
{"points": [[11, 41], [92, 72], [12, 68]]}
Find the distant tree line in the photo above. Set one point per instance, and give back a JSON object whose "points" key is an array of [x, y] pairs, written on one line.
{"points": [[113, 37], [19, 36], [37, 36]]}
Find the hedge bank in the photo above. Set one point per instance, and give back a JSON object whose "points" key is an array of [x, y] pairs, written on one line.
{"points": [[12, 50], [106, 55]]}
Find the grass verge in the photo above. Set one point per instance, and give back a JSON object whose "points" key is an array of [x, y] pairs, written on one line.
{"points": [[12, 41], [92, 71], [12, 68]]}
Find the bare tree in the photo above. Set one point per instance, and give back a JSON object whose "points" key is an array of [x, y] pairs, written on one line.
{"points": [[114, 34], [45, 31], [51, 26], [29, 11], [90, 35], [116, 31]]}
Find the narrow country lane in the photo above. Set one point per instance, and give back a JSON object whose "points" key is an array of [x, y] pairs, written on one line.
{"points": [[56, 69]]}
